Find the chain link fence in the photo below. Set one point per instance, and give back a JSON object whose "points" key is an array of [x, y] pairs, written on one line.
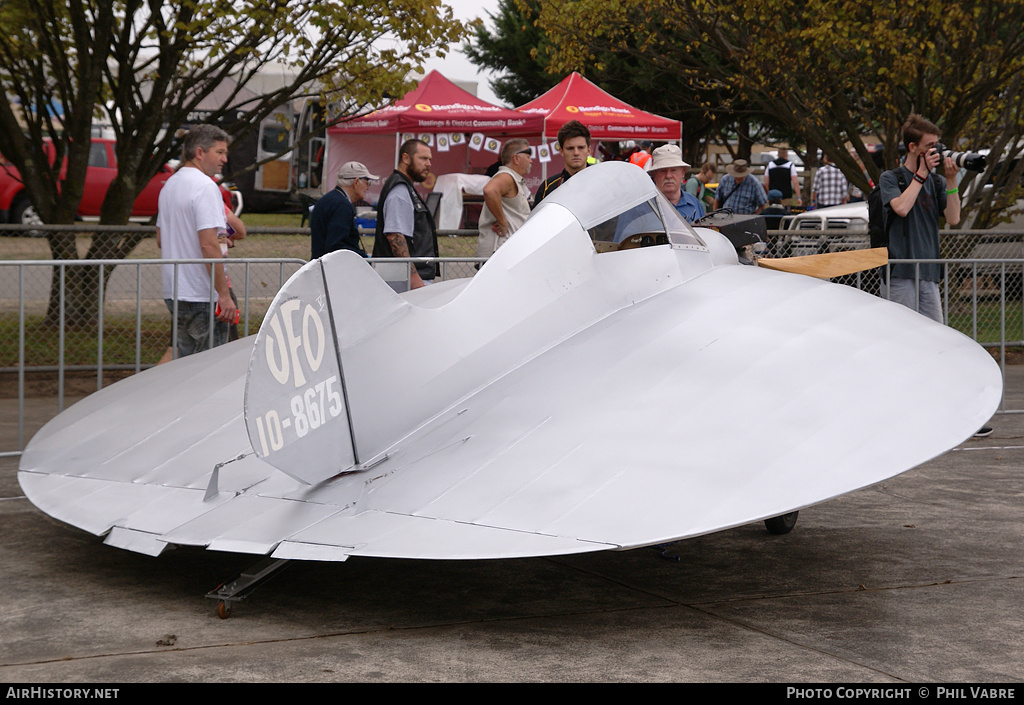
{"points": [[981, 285], [63, 336]]}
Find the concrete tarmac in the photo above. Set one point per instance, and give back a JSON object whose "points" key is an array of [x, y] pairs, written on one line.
{"points": [[915, 580]]}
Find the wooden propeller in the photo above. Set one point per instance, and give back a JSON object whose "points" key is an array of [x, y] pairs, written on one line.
{"points": [[830, 264]]}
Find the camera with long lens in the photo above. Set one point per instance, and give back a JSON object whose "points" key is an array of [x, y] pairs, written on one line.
{"points": [[964, 160]]}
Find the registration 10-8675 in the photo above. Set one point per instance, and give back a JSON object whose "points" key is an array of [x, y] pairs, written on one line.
{"points": [[310, 409]]}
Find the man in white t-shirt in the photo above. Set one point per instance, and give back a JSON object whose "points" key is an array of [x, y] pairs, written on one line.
{"points": [[191, 212]]}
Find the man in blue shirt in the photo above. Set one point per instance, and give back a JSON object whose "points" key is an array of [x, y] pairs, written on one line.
{"points": [[668, 171], [738, 192], [332, 223]]}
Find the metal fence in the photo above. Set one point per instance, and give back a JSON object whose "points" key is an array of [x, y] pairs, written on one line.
{"points": [[62, 335], [59, 344], [981, 284]]}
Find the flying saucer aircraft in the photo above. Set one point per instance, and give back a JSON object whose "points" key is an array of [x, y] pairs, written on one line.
{"points": [[582, 392]]}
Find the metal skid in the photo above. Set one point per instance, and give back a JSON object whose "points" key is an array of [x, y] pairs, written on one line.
{"points": [[241, 587]]}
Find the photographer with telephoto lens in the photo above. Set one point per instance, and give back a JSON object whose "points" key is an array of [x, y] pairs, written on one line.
{"points": [[914, 197]]}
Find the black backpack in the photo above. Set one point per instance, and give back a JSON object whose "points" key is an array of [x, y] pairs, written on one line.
{"points": [[877, 227], [876, 212]]}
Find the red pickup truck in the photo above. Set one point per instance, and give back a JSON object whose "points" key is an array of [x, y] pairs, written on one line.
{"points": [[15, 206]]}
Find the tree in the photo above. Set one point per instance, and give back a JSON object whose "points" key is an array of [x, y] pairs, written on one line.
{"points": [[145, 65], [515, 48], [55, 98], [522, 49], [834, 72]]}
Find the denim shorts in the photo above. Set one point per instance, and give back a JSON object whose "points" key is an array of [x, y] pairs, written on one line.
{"points": [[193, 327], [922, 296]]}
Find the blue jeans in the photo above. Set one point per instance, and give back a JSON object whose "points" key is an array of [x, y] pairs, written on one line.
{"points": [[193, 326]]}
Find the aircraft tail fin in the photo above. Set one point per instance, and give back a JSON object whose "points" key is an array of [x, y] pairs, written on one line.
{"points": [[296, 404]]}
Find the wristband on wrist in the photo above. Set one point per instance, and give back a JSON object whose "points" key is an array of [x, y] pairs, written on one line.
{"points": [[951, 191], [918, 178]]}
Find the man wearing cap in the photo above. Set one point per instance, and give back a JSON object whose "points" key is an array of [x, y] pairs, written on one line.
{"points": [[773, 215], [332, 224], [668, 171], [738, 191]]}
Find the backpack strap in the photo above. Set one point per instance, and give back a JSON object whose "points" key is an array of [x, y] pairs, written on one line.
{"points": [[901, 181]]}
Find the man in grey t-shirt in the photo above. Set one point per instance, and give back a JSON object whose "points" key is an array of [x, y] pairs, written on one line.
{"points": [[914, 217], [405, 227]]}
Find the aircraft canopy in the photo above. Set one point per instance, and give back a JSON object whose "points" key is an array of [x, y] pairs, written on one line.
{"points": [[630, 204]]}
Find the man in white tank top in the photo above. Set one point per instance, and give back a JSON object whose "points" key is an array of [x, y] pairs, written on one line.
{"points": [[506, 198]]}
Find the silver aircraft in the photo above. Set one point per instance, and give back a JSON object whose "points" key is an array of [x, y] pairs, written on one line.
{"points": [[610, 378]]}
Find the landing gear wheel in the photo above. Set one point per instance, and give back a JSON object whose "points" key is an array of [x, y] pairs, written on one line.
{"points": [[223, 609], [781, 524]]}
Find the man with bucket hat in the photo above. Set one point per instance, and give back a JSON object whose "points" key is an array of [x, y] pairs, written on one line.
{"points": [[668, 171], [738, 192]]}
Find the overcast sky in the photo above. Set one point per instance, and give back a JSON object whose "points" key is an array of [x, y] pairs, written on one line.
{"points": [[456, 66]]}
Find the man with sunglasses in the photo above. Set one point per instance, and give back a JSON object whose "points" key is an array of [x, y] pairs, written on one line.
{"points": [[506, 198], [332, 223]]}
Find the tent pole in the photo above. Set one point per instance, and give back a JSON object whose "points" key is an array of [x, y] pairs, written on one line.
{"points": [[544, 165]]}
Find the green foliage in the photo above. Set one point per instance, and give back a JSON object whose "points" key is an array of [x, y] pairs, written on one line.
{"points": [[516, 49], [146, 65], [519, 47], [831, 72]]}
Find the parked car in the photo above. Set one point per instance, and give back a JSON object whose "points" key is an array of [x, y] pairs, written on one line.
{"points": [[983, 280], [15, 206], [848, 216], [802, 230]]}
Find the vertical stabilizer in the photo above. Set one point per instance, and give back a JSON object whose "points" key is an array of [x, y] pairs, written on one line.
{"points": [[296, 411]]}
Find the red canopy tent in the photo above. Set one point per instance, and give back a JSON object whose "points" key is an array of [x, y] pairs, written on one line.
{"points": [[438, 107], [608, 118]]}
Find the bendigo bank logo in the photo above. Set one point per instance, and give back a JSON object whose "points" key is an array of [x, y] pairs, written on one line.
{"points": [[423, 107], [571, 109]]}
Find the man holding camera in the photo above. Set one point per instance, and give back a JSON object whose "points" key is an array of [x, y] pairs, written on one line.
{"points": [[914, 198]]}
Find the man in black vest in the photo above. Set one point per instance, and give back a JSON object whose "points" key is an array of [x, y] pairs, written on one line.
{"points": [[780, 174], [405, 227]]}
